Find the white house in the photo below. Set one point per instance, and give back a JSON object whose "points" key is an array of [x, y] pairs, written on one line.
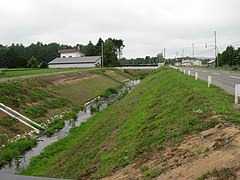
{"points": [[72, 58], [191, 62], [66, 53], [197, 62], [187, 62]]}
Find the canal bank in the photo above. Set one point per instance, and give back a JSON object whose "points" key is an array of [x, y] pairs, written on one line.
{"points": [[17, 165]]}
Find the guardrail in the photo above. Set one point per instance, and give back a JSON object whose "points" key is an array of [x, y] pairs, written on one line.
{"points": [[35, 126]]}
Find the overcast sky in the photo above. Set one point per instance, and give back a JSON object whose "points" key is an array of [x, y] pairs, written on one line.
{"points": [[146, 26]]}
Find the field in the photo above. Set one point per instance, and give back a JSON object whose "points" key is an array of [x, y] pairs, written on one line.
{"points": [[168, 122]]}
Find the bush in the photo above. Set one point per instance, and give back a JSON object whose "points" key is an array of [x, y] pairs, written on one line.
{"points": [[109, 92], [43, 65]]}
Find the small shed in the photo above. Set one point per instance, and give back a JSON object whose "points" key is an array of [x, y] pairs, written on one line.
{"points": [[211, 63], [76, 62]]}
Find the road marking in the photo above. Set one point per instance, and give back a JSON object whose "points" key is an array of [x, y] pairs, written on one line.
{"points": [[236, 77], [215, 73]]}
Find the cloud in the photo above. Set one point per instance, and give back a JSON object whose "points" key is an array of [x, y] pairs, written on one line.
{"points": [[145, 26]]}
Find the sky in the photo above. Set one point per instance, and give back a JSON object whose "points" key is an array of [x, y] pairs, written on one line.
{"points": [[145, 26]]}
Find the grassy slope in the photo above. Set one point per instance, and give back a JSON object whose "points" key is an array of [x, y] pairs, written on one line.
{"points": [[39, 99], [166, 106], [29, 72], [81, 91]]}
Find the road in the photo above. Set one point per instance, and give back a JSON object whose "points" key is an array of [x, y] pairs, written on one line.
{"points": [[19, 177], [221, 78]]}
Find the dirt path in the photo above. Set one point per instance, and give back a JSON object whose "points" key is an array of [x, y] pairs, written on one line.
{"points": [[213, 154]]}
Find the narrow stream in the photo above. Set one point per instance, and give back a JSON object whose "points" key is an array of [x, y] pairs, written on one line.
{"points": [[15, 166]]}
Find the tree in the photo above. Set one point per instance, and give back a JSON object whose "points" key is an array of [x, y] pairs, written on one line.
{"points": [[10, 59], [90, 49], [109, 54], [228, 57], [43, 64], [33, 62], [119, 45], [147, 60]]}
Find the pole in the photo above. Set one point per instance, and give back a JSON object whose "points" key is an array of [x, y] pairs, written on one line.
{"points": [[193, 50], [215, 37], [102, 54]]}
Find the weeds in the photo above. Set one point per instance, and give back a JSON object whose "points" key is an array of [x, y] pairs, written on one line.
{"points": [[14, 149], [109, 92], [58, 122], [224, 173], [7, 122]]}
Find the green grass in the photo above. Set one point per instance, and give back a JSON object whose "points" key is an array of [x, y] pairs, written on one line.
{"points": [[224, 173], [58, 122], [84, 90], [7, 121], [14, 149], [40, 99], [17, 72], [109, 92], [159, 112]]}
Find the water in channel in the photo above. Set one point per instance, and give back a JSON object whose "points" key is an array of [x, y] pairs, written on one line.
{"points": [[15, 166]]}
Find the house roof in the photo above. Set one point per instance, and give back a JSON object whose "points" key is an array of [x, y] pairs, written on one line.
{"points": [[75, 60], [211, 61], [69, 51]]}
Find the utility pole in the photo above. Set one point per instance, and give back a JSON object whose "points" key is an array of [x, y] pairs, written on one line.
{"points": [[164, 52], [176, 57], [215, 37], [102, 54], [193, 50]]}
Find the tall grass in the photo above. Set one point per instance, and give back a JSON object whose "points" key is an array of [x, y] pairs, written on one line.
{"points": [[14, 149]]}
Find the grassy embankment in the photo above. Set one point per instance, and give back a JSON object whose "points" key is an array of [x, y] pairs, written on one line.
{"points": [[157, 114], [41, 98], [17, 72]]}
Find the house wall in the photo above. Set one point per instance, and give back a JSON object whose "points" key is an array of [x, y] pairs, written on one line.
{"points": [[197, 63], [75, 54], [87, 65], [84, 65]]}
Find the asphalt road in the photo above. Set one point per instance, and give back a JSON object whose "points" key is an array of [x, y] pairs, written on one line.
{"points": [[18, 177], [221, 78]]}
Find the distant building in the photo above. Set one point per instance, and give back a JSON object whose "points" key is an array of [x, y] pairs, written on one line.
{"points": [[68, 53], [197, 62], [211, 63], [191, 62], [73, 58], [187, 62]]}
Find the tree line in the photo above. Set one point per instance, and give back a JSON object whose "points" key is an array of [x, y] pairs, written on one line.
{"points": [[143, 61], [230, 57], [39, 54]]}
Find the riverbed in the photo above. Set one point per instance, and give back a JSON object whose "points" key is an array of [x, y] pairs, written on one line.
{"points": [[15, 166]]}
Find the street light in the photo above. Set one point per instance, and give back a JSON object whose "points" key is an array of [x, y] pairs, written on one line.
{"points": [[215, 47]]}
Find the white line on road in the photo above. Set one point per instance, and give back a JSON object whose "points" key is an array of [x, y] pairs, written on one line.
{"points": [[215, 73], [236, 77]]}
